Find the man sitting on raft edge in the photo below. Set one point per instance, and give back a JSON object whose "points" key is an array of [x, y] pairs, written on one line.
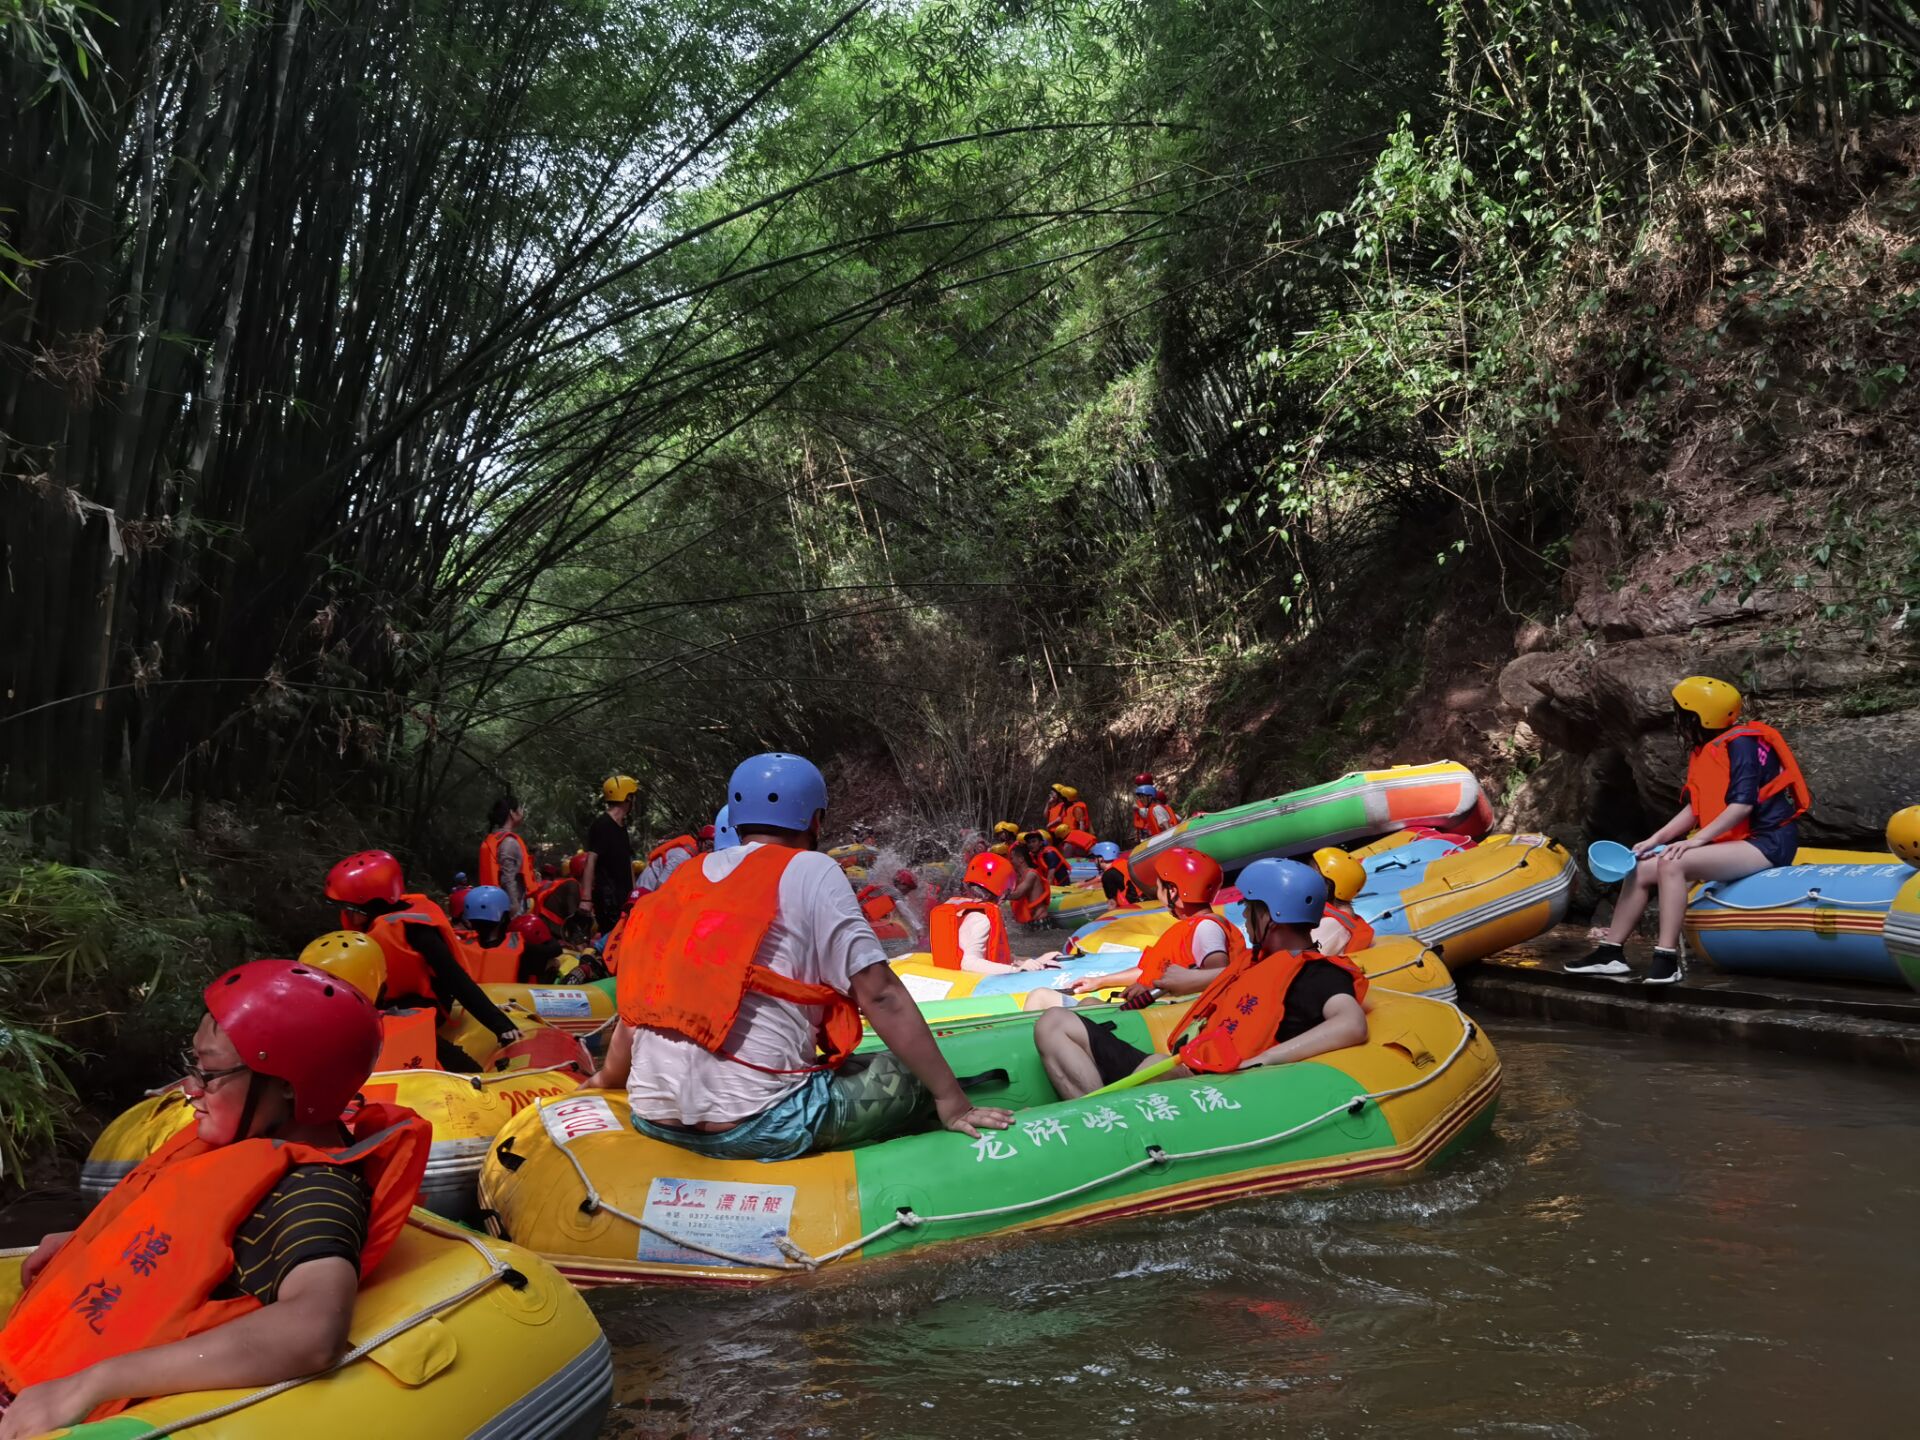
{"points": [[1283, 1001], [742, 983]]}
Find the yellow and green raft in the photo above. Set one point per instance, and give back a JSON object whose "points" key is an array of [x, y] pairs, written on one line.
{"points": [[454, 1334], [572, 1180]]}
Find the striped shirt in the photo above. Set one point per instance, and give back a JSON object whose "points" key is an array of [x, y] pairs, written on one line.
{"points": [[316, 1212]]}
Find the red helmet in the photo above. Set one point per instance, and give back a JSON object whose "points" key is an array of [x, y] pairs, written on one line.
{"points": [[993, 873], [1195, 877], [531, 929], [706, 833], [300, 1025], [1145, 777], [904, 881], [457, 901], [362, 879], [577, 866]]}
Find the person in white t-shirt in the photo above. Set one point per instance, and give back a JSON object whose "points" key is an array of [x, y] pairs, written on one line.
{"points": [[725, 1056]]}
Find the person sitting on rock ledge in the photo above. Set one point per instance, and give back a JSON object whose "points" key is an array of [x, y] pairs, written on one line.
{"points": [[1744, 792]]}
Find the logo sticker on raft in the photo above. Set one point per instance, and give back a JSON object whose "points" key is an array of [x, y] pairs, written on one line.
{"points": [[570, 1119], [924, 988], [744, 1220], [562, 1004]]}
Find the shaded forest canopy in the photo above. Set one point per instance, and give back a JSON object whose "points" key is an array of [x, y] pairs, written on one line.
{"points": [[404, 403]]}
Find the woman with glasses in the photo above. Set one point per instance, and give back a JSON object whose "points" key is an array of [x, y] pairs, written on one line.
{"points": [[232, 1256]]}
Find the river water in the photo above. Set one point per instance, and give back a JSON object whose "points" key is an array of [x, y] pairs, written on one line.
{"points": [[1659, 1238]]}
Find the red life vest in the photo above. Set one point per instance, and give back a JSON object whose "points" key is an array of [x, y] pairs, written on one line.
{"points": [[1160, 818], [409, 1039], [686, 958], [490, 860], [1239, 1015], [1175, 946], [875, 903], [1129, 895], [1709, 770], [408, 975], [1142, 817], [142, 1268], [1072, 814], [1052, 863], [943, 932], [1359, 932]]}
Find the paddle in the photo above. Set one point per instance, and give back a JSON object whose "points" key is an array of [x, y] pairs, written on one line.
{"points": [[1138, 1077]]}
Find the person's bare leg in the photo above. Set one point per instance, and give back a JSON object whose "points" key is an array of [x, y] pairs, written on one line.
{"points": [[1635, 891], [1061, 1038], [1727, 860], [1043, 1000]]}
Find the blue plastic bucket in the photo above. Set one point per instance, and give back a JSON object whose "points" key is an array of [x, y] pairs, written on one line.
{"points": [[1609, 861]]}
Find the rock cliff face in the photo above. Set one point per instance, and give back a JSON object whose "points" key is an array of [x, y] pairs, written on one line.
{"points": [[1747, 437]]}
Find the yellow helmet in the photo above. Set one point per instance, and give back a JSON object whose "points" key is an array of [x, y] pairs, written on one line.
{"points": [[1066, 793], [351, 956], [1903, 835], [1006, 827], [1346, 875], [1060, 832], [619, 787], [1714, 703]]}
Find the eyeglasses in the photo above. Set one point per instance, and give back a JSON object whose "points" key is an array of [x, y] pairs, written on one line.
{"points": [[190, 1070]]}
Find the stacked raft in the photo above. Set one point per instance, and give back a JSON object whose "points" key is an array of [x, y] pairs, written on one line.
{"points": [[1831, 915]]}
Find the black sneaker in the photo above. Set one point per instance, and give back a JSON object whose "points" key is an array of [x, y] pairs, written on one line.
{"points": [[1667, 969], [1606, 959]]}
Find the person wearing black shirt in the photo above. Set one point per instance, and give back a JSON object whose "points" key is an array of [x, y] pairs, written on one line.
{"points": [[609, 874]]}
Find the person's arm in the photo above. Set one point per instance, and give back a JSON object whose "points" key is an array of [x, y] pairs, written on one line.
{"points": [[903, 1030], [618, 1065], [1343, 1023], [452, 982], [1723, 822], [1674, 829], [48, 1247], [587, 872], [302, 1332], [1105, 982]]}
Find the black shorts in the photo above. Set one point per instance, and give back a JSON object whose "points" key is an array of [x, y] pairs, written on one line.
{"points": [[1113, 1057]]}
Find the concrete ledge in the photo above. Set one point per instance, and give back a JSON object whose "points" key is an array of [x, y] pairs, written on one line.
{"points": [[1862, 1024]]}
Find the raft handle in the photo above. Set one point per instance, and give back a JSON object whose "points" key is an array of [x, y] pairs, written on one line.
{"points": [[513, 1279], [904, 1214], [1359, 1104], [1158, 1156], [503, 1152], [590, 1205]]}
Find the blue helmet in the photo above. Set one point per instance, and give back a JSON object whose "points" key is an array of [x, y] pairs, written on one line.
{"points": [[1106, 850], [1294, 894], [1145, 792], [459, 877], [780, 790], [485, 904], [723, 833]]}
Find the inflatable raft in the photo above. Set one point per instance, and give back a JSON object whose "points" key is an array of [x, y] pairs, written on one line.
{"points": [[475, 1337], [1400, 964], [1902, 930], [1823, 917], [572, 1180], [466, 1112], [1442, 796], [579, 1010], [1474, 903], [1071, 904]]}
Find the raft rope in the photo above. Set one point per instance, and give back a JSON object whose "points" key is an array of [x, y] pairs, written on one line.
{"points": [[905, 1218], [1813, 895], [1519, 864], [498, 1271]]}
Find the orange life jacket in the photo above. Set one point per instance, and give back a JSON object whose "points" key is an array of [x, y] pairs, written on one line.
{"points": [[1160, 818], [1031, 912], [142, 1268], [1074, 815], [1239, 1015], [408, 1039], [1081, 839], [490, 861], [408, 975], [1175, 946], [1130, 894], [667, 847], [686, 958], [490, 964], [875, 903], [943, 932], [1709, 771], [1051, 862], [1359, 932], [1142, 817]]}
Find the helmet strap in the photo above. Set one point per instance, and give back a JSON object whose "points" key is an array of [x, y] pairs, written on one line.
{"points": [[249, 1105]]}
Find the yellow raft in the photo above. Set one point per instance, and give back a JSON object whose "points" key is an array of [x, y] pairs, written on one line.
{"points": [[466, 1112], [1468, 905], [572, 1179], [582, 1010], [475, 1338]]}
